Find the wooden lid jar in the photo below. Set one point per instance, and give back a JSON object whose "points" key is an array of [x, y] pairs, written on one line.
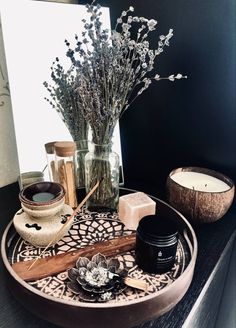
{"points": [[65, 169], [65, 148]]}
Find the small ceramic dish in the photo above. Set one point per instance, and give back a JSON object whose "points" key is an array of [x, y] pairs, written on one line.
{"points": [[42, 199], [40, 232], [43, 213]]}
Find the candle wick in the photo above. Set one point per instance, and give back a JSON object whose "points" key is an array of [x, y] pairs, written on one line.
{"points": [[206, 185], [193, 187]]}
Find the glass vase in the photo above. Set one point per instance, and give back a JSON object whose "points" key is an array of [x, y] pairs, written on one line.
{"points": [[81, 151], [102, 163]]}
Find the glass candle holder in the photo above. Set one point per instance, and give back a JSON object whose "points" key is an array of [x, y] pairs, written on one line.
{"points": [[28, 178]]}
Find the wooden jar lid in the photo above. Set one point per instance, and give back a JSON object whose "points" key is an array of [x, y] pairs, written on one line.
{"points": [[50, 147], [65, 148]]}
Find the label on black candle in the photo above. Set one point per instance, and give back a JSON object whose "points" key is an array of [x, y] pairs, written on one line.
{"points": [[165, 254], [154, 258]]}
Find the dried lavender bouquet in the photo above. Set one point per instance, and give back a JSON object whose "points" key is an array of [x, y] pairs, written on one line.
{"points": [[63, 98], [113, 68]]}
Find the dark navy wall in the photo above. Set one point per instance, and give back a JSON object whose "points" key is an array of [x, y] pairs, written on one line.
{"points": [[187, 122]]}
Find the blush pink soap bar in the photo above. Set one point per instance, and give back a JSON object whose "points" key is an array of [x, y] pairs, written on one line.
{"points": [[133, 207]]}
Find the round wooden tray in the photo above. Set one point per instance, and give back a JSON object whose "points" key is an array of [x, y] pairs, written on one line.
{"points": [[50, 298]]}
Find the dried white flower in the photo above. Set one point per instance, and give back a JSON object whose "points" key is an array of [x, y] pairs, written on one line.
{"points": [[130, 19], [171, 77], [136, 19], [180, 76], [125, 27], [168, 37], [143, 20], [177, 77], [151, 24]]}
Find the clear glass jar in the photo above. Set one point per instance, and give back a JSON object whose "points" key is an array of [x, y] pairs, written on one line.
{"points": [[65, 169], [50, 153], [102, 164], [81, 151], [28, 178]]}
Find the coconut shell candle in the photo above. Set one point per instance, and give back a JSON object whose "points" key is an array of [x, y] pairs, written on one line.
{"points": [[202, 195]]}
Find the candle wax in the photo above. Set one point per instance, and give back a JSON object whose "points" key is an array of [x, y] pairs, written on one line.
{"points": [[42, 197], [133, 207], [200, 182]]}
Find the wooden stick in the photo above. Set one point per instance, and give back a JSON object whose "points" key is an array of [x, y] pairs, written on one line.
{"points": [[136, 283], [62, 178], [70, 184], [66, 223], [52, 265]]}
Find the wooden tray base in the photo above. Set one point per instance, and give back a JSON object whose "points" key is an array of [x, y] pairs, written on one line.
{"points": [[51, 293]]}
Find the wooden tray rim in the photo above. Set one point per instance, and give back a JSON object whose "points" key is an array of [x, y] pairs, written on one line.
{"points": [[186, 272]]}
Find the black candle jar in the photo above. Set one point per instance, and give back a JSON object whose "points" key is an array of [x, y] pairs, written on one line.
{"points": [[156, 244]]}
